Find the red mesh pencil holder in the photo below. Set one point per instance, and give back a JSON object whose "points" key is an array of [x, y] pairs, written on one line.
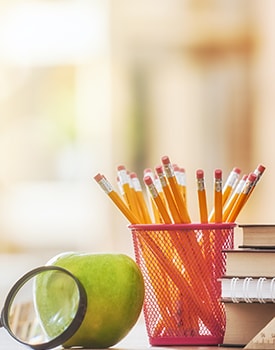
{"points": [[181, 266]]}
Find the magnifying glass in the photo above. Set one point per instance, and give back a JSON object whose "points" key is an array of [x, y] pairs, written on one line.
{"points": [[44, 308]]}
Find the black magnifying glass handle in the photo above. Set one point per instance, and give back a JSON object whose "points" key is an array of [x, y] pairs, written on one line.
{"points": [[44, 308]]}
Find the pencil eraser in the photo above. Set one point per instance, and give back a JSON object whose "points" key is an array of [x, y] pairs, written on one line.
{"points": [[252, 177], [237, 170], [245, 177], [261, 168], [159, 169], [133, 175], [148, 180], [165, 160], [147, 171], [176, 167], [98, 177], [121, 167], [200, 174], [218, 174], [182, 170]]}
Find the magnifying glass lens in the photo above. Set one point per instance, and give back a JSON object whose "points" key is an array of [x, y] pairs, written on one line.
{"points": [[44, 308]]}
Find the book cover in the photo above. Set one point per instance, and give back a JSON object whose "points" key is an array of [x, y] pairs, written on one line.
{"points": [[258, 235], [250, 262], [245, 320]]}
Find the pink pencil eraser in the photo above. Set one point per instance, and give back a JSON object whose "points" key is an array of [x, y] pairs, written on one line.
{"points": [[261, 168], [252, 177], [98, 177], [133, 175], [200, 174], [237, 170], [121, 167], [182, 170], [148, 180], [176, 167], [165, 160], [159, 169], [147, 170], [218, 174]]}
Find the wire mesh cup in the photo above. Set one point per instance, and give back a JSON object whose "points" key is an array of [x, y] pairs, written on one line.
{"points": [[182, 265]]}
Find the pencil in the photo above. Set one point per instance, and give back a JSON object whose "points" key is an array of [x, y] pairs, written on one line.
{"points": [[259, 172], [155, 211], [241, 200], [202, 196], [157, 199], [168, 195], [118, 201], [182, 176], [218, 196], [124, 181], [229, 205], [181, 180], [230, 184], [181, 205], [140, 199]]}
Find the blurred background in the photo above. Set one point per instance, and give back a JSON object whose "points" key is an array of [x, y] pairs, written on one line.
{"points": [[87, 85]]}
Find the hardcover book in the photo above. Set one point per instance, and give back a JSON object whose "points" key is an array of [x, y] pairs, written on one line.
{"points": [[245, 320], [250, 262], [258, 236]]}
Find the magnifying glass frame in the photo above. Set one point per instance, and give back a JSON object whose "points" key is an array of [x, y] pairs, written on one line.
{"points": [[73, 326]]}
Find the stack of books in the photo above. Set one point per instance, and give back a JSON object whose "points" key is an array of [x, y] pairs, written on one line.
{"points": [[248, 287]]}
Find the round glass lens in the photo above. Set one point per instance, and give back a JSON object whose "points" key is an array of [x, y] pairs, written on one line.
{"points": [[45, 307]]}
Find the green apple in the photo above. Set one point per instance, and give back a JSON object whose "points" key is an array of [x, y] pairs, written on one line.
{"points": [[115, 293]]}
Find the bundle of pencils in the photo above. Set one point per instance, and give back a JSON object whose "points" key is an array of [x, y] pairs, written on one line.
{"points": [[186, 264], [167, 202]]}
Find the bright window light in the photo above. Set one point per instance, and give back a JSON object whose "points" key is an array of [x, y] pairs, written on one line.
{"points": [[54, 32]]}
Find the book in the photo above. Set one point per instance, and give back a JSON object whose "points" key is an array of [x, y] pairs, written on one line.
{"points": [[250, 262], [248, 286], [245, 320], [248, 289], [260, 236]]}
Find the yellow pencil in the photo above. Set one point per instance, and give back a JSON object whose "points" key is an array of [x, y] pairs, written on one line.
{"points": [[217, 209], [259, 172], [168, 169], [182, 175], [157, 199], [230, 184], [181, 180], [218, 196], [118, 201], [124, 182], [202, 196], [242, 198], [168, 195], [230, 203], [140, 199], [154, 209]]}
